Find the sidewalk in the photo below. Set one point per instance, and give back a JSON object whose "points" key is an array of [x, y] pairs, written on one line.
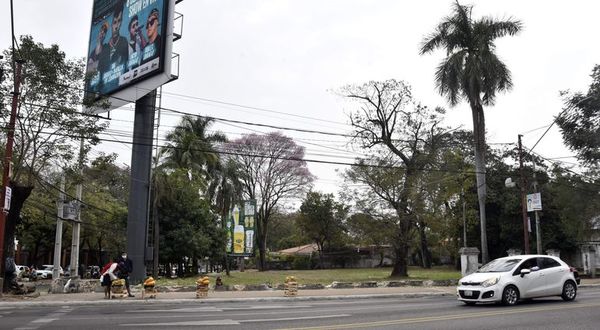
{"points": [[46, 299]]}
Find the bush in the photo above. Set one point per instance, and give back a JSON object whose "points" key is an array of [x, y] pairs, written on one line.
{"points": [[301, 262]]}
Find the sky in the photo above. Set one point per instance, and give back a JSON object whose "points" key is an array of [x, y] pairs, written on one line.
{"points": [[279, 63]]}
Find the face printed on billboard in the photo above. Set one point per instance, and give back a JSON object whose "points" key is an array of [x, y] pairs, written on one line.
{"points": [[126, 41]]}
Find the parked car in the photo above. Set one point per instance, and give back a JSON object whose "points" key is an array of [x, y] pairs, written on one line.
{"points": [[46, 271], [92, 272], [511, 279]]}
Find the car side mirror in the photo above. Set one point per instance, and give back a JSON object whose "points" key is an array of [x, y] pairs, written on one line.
{"points": [[525, 272]]}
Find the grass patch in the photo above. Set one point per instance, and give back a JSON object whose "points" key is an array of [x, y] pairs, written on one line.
{"points": [[324, 277]]}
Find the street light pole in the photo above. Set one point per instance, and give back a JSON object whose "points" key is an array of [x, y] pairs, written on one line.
{"points": [[523, 200]]}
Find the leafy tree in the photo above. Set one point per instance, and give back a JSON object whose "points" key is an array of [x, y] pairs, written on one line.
{"points": [[365, 230], [403, 138], [579, 121], [321, 219], [105, 193], [188, 227], [571, 202], [48, 123], [284, 232], [472, 71], [271, 169], [191, 149]]}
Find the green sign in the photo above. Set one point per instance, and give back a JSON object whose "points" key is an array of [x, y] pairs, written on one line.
{"points": [[241, 224]]}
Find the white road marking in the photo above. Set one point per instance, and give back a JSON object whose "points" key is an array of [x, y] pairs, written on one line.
{"points": [[45, 320], [228, 321], [35, 324], [178, 310], [295, 318], [266, 307], [187, 323]]}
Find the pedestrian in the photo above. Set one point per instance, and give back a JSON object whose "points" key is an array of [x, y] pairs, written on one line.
{"points": [[126, 266], [109, 274]]}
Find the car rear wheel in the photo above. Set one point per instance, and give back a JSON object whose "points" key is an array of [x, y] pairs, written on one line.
{"points": [[569, 291], [510, 295]]}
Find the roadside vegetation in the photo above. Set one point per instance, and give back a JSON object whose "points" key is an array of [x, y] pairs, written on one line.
{"points": [[324, 277]]}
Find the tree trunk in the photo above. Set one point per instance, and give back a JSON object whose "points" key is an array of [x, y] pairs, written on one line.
{"points": [[400, 268], [261, 239], [262, 253], [425, 253], [480, 148], [19, 196]]}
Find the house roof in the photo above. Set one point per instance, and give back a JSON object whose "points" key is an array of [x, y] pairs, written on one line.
{"points": [[301, 250]]}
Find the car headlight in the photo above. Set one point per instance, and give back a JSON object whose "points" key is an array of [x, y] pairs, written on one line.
{"points": [[490, 281]]}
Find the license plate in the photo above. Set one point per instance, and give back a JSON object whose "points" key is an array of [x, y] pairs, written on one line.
{"points": [[468, 293]]}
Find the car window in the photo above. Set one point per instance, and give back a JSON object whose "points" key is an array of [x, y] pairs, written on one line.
{"points": [[531, 263], [548, 263], [499, 265]]}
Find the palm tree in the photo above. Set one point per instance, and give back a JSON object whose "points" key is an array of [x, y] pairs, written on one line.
{"points": [[472, 71], [191, 147]]}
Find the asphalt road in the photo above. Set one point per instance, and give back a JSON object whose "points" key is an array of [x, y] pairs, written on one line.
{"points": [[382, 313]]}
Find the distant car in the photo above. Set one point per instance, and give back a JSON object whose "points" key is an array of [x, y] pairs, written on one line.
{"points": [[46, 271], [511, 279], [92, 272]]}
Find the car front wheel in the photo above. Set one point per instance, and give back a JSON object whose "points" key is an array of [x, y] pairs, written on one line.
{"points": [[569, 291], [510, 295]]}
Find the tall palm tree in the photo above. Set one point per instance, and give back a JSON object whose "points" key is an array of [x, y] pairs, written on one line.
{"points": [[472, 71], [190, 146]]}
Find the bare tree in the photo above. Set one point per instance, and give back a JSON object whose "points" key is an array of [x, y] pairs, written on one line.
{"points": [[271, 169], [402, 137]]}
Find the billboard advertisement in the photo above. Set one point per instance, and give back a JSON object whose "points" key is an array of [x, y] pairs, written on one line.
{"points": [[241, 226], [127, 44]]}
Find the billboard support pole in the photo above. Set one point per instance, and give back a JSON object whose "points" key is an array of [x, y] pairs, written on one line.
{"points": [[139, 186]]}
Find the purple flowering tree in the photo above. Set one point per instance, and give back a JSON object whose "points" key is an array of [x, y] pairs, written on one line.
{"points": [[272, 168]]}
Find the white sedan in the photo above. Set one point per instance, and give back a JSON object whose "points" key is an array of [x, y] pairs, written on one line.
{"points": [[46, 271], [511, 279]]}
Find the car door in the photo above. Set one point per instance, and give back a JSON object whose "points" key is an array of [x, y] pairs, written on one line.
{"points": [[532, 284], [553, 273]]}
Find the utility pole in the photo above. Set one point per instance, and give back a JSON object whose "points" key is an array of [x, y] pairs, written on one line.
{"points": [[538, 230], [74, 271], [523, 200], [59, 225]]}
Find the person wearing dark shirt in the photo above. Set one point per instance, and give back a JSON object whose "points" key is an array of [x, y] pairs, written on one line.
{"points": [[114, 64], [137, 43], [126, 266]]}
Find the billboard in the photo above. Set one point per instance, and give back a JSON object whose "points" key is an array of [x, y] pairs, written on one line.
{"points": [[241, 226], [130, 41]]}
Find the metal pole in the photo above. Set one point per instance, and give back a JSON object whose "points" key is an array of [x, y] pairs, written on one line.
{"points": [[155, 224], [74, 271], [59, 225], [10, 136], [523, 200], [464, 215], [538, 230]]}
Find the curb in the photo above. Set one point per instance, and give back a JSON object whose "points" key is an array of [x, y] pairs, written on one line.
{"points": [[102, 302]]}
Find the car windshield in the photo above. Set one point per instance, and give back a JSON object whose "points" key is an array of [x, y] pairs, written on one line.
{"points": [[499, 266]]}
